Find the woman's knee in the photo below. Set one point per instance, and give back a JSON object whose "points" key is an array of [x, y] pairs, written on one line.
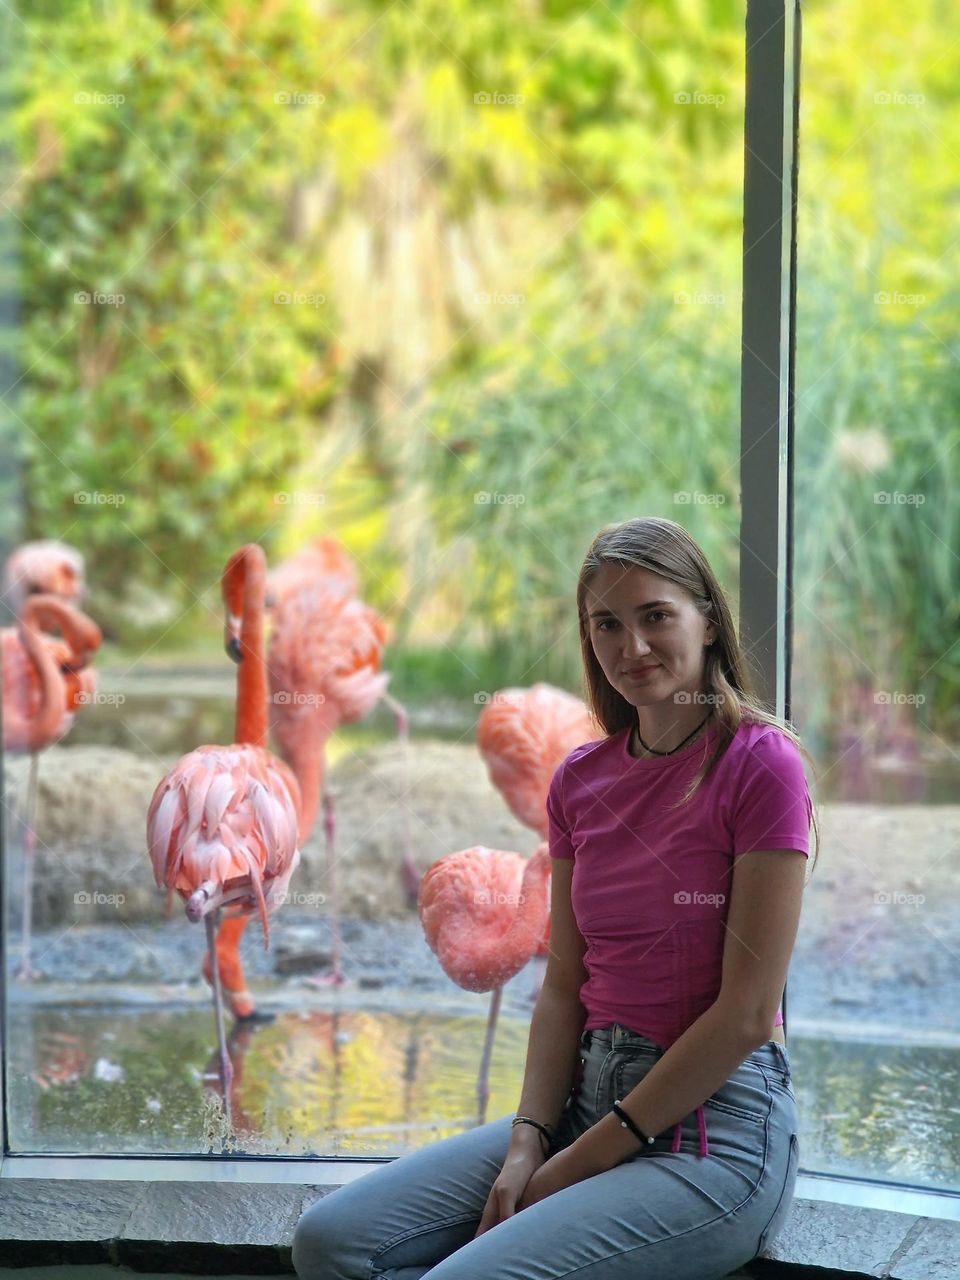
{"points": [[319, 1238]]}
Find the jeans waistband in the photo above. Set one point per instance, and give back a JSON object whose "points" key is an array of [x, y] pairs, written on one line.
{"points": [[770, 1054]]}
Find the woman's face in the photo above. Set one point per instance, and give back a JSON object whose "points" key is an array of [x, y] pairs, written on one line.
{"points": [[640, 620]]}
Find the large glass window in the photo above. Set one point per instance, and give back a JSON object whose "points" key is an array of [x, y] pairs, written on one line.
{"points": [[873, 1010], [455, 285]]}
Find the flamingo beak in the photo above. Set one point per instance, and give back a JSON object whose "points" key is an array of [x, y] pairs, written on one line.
{"points": [[231, 639]]}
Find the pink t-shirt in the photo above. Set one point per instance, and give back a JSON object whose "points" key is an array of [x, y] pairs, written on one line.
{"points": [[650, 889]]}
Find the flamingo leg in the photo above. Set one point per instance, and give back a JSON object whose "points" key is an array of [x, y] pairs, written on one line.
{"points": [[411, 876], [24, 970], [483, 1090], [230, 968], [335, 978], [226, 1066]]}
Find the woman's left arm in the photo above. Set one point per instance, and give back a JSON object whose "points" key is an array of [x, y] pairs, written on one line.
{"points": [[761, 929]]}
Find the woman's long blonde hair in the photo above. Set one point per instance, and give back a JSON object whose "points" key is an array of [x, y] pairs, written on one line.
{"points": [[665, 548]]}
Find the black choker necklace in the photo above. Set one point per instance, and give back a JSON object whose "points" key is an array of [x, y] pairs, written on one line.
{"points": [[679, 745]]}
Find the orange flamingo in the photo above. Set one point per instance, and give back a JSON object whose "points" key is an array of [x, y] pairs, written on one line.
{"points": [[44, 681], [44, 567], [324, 664], [484, 913], [222, 825], [523, 736]]}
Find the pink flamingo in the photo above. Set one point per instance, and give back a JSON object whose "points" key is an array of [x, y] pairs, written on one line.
{"points": [[322, 560], [222, 825], [44, 681], [523, 736], [324, 663], [484, 914], [44, 567]]}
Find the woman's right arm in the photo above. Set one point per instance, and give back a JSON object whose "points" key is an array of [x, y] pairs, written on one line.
{"points": [[553, 1048], [554, 1042]]}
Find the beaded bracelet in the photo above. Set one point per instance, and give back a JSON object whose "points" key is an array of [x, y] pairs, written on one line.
{"points": [[627, 1123], [544, 1129]]}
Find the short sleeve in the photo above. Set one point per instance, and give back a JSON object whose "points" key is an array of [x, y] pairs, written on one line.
{"points": [[773, 809], [560, 843]]}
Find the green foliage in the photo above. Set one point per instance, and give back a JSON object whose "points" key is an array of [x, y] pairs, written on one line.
{"points": [[386, 166]]}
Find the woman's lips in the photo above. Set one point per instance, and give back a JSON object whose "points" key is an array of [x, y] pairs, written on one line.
{"points": [[641, 673]]}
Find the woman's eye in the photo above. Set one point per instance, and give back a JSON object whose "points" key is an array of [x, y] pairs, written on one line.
{"points": [[655, 614]]}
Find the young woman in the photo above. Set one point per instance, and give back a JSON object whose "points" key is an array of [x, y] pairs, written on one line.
{"points": [[656, 1136]]}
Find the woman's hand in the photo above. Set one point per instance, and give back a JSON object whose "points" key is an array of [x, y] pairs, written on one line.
{"points": [[561, 1170], [523, 1158], [528, 1176]]}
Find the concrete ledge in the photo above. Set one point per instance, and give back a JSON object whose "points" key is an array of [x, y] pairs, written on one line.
{"points": [[223, 1227]]}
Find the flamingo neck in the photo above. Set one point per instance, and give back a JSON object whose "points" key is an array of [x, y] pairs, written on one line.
{"points": [[251, 725]]}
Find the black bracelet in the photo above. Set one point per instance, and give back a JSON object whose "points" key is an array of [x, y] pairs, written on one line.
{"points": [[544, 1129], [627, 1123]]}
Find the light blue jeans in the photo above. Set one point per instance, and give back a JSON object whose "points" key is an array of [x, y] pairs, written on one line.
{"points": [[659, 1215]]}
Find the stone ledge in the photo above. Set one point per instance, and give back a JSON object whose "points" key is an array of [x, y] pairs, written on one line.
{"points": [[218, 1228]]}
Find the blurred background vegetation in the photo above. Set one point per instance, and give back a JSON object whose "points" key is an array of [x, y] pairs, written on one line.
{"points": [[460, 283]]}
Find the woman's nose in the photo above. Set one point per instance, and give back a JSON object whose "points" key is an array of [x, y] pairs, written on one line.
{"points": [[635, 646]]}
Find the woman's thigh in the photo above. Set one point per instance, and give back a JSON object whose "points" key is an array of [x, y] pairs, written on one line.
{"points": [[661, 1215], [399, 1220]]}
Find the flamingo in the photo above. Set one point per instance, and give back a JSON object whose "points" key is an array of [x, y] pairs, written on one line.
{"points": [[324, 559], [222, 825], [44, 567], [484, 913], [45, 680], [324, 664], [523, 736]]}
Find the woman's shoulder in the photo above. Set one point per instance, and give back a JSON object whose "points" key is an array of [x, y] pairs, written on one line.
{"points": [[751, 733], [590, 754]]}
